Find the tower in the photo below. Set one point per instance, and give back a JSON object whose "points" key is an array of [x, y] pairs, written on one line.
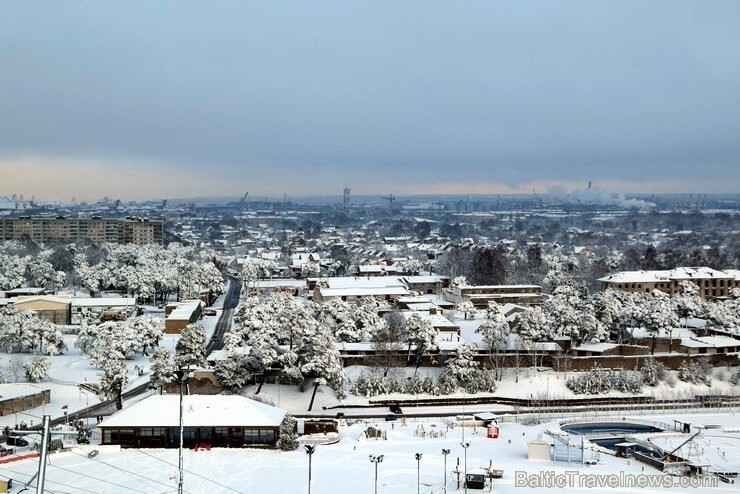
{"points": [[345, 198]]}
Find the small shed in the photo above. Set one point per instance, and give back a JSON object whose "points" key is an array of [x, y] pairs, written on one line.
{"points": [[475, 481], [538, 450]]}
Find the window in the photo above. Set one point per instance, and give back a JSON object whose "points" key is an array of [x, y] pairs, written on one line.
{"points": [[267, 436], [107, 436], [251, 436]]}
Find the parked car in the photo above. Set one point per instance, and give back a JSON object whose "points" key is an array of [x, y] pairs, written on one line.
{"points": [[16, 441], [5, 451], [390, 417], [396, 409], [209, 312]]}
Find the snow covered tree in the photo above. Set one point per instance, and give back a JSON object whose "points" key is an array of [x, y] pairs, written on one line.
{"points": [[114, 379], [531, 328], [288, 435], [318, 357], [657, 315], [463, 366], [696, 372], [191, 346], [459, 281], [495, 333], [686, 303], [162, 368], [148, 330], [411, 266], [37, 368], [26, 331], [653, 372], [422, 337], [233, 372], [110, 340], [466, 307]]}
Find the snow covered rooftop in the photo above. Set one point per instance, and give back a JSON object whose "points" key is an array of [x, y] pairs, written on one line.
{"points": [[281, 282], [595, 347], [104, 302], [363, 281], [11, 391], [198, 411], [359, 291], [682, 273], [184, 310]]}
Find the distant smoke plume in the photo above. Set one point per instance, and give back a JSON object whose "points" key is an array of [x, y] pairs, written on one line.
{"points": [[597, 196]]}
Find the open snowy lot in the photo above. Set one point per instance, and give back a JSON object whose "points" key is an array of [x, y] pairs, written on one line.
{"points": [[342, 467]]}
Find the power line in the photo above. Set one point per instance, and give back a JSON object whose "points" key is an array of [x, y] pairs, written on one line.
{"points": [[14, 472], [189, 471], [128, 472], [95, 478]]}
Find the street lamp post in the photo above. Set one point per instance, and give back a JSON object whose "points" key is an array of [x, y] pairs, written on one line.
{"points": [[376, 460], [465, 465], [445, 452], [418, 472], [310, 448]]}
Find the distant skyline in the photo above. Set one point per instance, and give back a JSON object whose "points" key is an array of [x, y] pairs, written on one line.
{"points": [[142, 100]]}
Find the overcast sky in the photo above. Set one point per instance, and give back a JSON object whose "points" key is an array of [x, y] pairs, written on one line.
{"points": [[171, 99]]}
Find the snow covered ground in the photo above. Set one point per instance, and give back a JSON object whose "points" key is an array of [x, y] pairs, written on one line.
{"points": [[342, 467]]}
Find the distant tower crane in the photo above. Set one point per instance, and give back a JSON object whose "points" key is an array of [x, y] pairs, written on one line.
{"points": [[390, 200], [243, 202]]}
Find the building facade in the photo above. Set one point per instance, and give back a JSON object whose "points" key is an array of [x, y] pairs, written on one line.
{"points": [[712, 284], [99, 230], [226, 421]]}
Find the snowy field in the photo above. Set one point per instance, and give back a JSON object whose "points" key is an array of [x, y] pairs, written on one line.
{"points": [[342, 467]]}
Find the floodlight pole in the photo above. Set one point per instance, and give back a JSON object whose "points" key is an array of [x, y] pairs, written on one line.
{"points": [[445, 452], [309, 450], [376, 460], [42, 455], [465, 466], [418, 472]]}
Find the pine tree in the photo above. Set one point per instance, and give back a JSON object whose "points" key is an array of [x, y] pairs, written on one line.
{"points": [[233, 372], [288, 440], [162, 368], [191, 346], [652, 372], [37, 368], [114, 379]]}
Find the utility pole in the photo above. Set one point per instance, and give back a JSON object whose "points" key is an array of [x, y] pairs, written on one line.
{"points": [[42, 454]]}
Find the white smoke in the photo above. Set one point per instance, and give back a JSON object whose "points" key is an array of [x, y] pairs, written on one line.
{"points": [[598, 196]]}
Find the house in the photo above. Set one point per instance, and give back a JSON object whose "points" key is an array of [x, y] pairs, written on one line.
{"points": [[181, 314], [432, 283], [288, 285], [352, 288], [213, 420], [710, 344], [83, 305], [56, 309], [481, 295]]}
